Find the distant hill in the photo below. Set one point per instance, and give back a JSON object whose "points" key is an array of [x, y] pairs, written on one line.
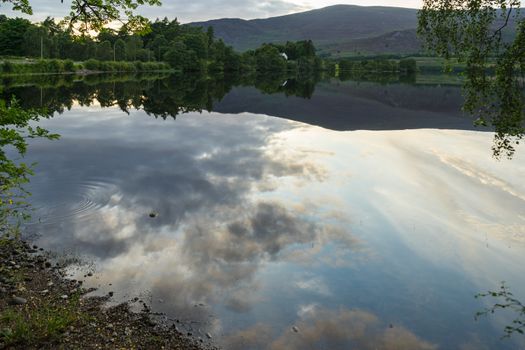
{"points": [[333, 28], [340, 30]]}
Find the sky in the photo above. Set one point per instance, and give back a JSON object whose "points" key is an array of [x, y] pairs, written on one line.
{"points": [[201, 10]]}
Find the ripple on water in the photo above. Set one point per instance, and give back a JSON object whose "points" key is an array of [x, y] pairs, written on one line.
{"points": [[58, 201]]}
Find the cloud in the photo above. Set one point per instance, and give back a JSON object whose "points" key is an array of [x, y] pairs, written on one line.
{"points": [[213, 234], [330, 329], [186, 12], [201, 10], [346, 329], [314, 285]]}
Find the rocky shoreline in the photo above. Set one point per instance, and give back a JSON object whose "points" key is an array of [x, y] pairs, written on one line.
{"points": [[41, 309]]}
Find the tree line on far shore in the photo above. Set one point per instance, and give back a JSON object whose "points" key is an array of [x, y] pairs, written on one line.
{"points": [[167, 45], [183, 47]]}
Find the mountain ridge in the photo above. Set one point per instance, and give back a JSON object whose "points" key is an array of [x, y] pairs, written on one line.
{"points": [[326, 26], [337, 30]]}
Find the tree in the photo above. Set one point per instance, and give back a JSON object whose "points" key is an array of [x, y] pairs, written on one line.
{"points": [[133, 46], [489, 37], [408, 66], [93, 15], [105, 51], [180, 57], [210, 33], [159, 46], [198, 42], [15, 129], [268, 58], [107, 34], [16, 123], [33, 38], [120, 50], [12, 33]]}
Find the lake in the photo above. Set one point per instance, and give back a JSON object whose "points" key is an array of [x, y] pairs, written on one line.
{"points": [[283, 214]]}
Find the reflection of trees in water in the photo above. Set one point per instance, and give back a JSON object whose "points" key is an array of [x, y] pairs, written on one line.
{"points": [[160, 95], [503, 300], [168, 96], [381, 78]]}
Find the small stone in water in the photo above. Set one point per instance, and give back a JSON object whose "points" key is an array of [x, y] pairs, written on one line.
{"points": [[208, 335], [295, 329], [153, 215]]}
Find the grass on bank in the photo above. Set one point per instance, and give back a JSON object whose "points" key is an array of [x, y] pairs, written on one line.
{"points": [[41, 322], [55, 66], [43, 318]]}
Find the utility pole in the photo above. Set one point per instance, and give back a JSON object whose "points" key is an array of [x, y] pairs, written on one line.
{"points": [[41, 47]]}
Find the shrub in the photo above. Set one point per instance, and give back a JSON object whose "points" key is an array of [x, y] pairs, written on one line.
{"points": [[69, 66], [7, 67], [54, 66], [92, 64]]}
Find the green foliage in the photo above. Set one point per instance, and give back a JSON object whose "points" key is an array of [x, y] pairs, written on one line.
{"points": [[12, 32], [180, 57], [269, 59], [158, 94], [20, 5], [93, 15], [120, 50], [299, 49], [137, 66], [92, 64], [505, 300], [159, 46], [105, 51], [69, 66], [7, 67], [408, 66], [404, 67], [475, 33], [32, 326], [185, 48], [37, 41], [15, 129]]}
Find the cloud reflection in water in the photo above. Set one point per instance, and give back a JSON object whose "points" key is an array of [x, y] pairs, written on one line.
{"points": [[220, 224], [258, 215]]}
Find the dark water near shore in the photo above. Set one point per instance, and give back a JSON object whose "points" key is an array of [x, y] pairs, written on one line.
{"points": [[297, 215]]}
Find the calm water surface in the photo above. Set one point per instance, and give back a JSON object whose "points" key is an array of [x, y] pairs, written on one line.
{"points": [[365, 216]]}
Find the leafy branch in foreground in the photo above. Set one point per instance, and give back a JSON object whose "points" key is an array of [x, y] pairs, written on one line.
{"points": [[15, 130], [93, 15], [489, 36], [505, 301]]}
